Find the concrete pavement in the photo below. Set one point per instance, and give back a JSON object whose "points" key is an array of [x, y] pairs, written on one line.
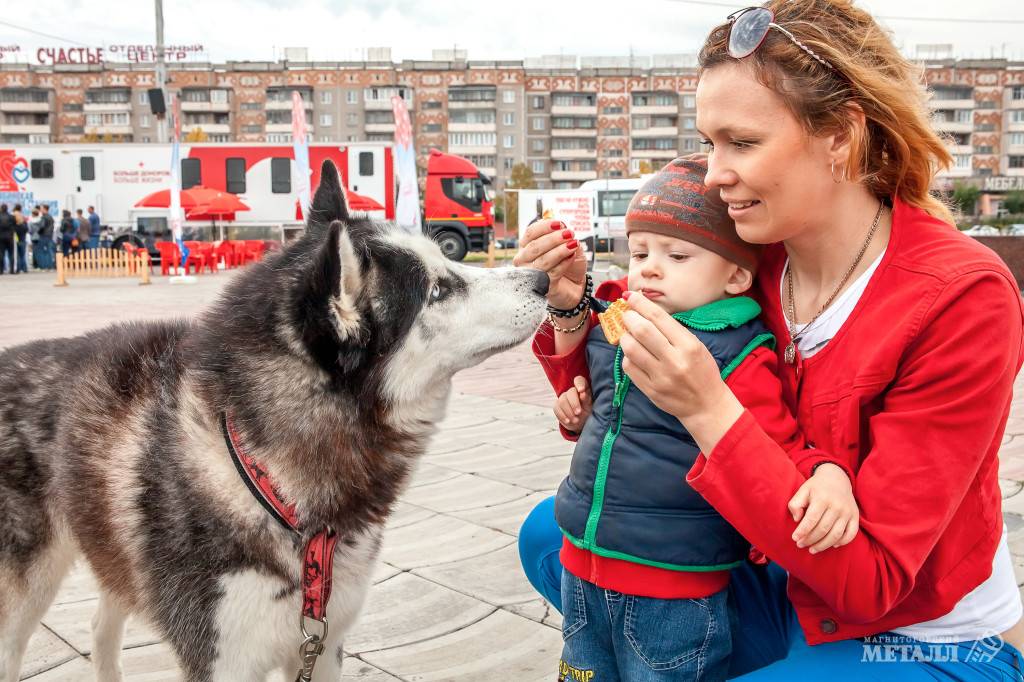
{"points": [[449, 600]]}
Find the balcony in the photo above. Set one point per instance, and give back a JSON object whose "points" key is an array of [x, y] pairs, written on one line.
{"points": [[286, 105], [380, 127], [472, 127], [951, 103], [109, 129], [209, 128], [573, 110], [222, 107], [473, 104], [664, 131], [106, 107], [654, 153], [952, 126], [279, 128], [654, 109], [1017, 127], [1010, 103], [25, 107], [574, 154], [955, 172], [25, 129], [463, 150], [578, 175], [574, 132]]}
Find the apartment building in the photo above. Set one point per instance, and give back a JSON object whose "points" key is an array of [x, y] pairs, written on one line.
{"points": [[568, 119]]}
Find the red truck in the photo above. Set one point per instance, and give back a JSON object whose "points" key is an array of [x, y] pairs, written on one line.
{"points": [[458, 207]]}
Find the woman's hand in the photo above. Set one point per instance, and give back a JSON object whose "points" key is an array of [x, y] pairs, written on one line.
{"points": [[677, 372], [832, 517], [547, 245]]}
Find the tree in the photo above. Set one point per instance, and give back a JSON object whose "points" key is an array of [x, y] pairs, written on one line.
{"points": [[520, 177], [196, 135], [1014, 202], [644, 168], [965, 197]]}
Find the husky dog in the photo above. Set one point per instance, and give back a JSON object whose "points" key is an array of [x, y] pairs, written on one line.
{"points": [[333, 360]]}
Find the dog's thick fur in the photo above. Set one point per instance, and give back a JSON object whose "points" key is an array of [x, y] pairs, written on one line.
{"points": [[335, 360]]}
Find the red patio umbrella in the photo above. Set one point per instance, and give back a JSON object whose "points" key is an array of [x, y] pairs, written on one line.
{"points": [[356, 202], [162, 199]]}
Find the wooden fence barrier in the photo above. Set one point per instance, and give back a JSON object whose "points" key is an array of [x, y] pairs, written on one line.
{"points": [[103, 263]]}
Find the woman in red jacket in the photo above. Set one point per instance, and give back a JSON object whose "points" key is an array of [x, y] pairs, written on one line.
{"points": [[898, 343]]}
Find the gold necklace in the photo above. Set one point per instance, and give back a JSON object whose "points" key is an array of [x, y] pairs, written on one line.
{"points": [[790, 353]]}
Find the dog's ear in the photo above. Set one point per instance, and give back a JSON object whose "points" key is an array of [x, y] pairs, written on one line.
{"points": [[329, 202], [328, 314]]}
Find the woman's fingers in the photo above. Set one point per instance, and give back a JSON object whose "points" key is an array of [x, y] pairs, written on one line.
{"points": [[656, 318], [637, 361], [547, 247], [831, 538]]}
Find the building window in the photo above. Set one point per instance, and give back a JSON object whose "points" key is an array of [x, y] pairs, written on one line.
{"points": [[144, 121], [365, 164], [689, 123], [508, 96], [143, 98], [612, 153], [470, 116], [280, 175], [609, 132], [689, 101], [608, 111], [641, 122], [1017, 116], [1017, 92], [573, 99], [431, 104], [537, 102], [509, 141], [146, 139], [250, 130], [352, 96], [509, 162], [537, 123], [472, 139], [537, 145], [983, 149], [484, 93], [234, 171], [72, 106], [1016, 161], [326, 120], [250, 106], [962, 161], [352, 119], [690, 144], [111, 119], [538, 167], [1016, 139], [191, 173], [430, 128], [87, 168], [509, 117], [326, 97]]}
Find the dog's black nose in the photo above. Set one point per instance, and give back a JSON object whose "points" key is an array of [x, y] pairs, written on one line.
{"points": [[540, 283]]}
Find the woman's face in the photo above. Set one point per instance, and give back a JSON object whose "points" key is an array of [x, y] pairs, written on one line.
{"points": [[775, 178]]}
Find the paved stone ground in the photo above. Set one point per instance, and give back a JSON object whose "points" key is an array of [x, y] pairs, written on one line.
{"points": [[449, 601]]}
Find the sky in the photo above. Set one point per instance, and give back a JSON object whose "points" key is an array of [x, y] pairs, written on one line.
{"points": [[335, 30]]}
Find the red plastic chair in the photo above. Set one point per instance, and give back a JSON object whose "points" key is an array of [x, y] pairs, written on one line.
{"points": [[225, 252], [207, 257], [169, 255], [196, 256], [256, 247], [133, 251]]}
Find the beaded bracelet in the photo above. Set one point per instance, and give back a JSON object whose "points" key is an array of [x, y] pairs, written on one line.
{"points": [[579, 325], [584, 303]]}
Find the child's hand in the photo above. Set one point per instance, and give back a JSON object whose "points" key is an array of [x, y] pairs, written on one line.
{"points": [[832, 517], [573, 407]]}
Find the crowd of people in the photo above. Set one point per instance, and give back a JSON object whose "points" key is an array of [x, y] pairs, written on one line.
{"points": [[36, 237]]}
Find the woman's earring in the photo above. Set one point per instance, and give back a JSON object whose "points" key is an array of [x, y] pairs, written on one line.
{"points": [[843, 177]]}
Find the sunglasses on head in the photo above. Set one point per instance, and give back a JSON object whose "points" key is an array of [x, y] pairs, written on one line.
{"points": [[748, 29]]}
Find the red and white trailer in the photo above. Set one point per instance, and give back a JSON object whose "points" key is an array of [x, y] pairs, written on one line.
{"points": [[114, 177]]}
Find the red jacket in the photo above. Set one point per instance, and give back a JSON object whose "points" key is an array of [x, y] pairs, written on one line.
{"points": [[912, 395]]}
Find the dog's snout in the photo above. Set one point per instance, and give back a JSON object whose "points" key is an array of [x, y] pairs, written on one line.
{"points": [[540, 283]]}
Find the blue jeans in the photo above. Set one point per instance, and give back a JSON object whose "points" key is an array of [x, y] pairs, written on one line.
{"points": [[94, 242], [22, 263], [767, 642], [610, 636], [44, 253]]}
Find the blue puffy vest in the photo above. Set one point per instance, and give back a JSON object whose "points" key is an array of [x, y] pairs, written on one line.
{"points": [[626, 495]]}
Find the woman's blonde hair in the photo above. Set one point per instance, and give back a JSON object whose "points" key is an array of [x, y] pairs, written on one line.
{"points": [[897, 152]]}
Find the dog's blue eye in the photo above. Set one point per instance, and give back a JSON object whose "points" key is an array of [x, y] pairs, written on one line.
{"points": [[438, 292]]}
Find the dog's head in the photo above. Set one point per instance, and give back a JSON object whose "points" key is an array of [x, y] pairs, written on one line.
{"points": [[377, 307]]}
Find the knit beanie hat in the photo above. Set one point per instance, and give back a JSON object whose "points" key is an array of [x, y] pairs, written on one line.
{"points": [[675, 202]]}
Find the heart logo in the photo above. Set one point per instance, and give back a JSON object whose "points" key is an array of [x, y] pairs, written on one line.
{"points": [[20, 174]]}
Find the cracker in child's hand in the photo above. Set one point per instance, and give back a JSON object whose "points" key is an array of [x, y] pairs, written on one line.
{"points": [[611, 321]]}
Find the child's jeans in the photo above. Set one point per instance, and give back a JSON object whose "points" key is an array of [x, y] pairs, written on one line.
{"points": [[612, 637]]}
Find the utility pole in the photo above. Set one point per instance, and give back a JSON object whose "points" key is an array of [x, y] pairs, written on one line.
{"points": [[161, 71]]}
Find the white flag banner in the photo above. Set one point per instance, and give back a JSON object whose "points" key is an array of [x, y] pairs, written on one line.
{"points": [[407, 208]]}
